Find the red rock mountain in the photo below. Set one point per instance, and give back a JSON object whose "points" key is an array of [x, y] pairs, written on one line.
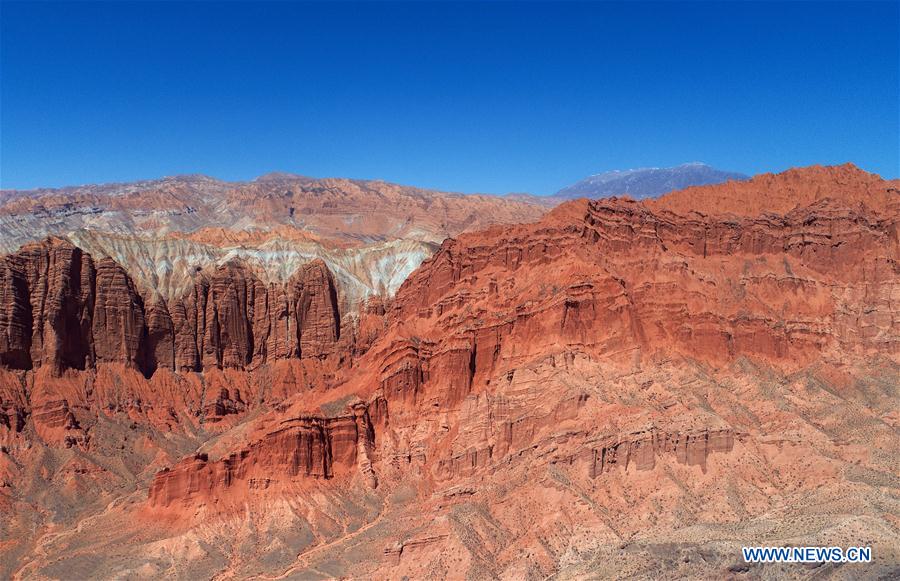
{"points": [[370, 234], [618, 389], [347, 210], [68, 312]]}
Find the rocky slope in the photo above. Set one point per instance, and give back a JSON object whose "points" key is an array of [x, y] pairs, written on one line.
{"points": [[168, 266], [620, 389], [370, 234], [352, 210]]}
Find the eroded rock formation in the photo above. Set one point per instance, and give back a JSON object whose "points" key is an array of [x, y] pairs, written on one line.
{"points": [[48, 293], [303, 447], [640, 451], [535, 399], [62, 310]]}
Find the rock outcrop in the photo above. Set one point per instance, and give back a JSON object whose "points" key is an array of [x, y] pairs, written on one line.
{"points": [[61, 310], [615, 275], [48, 293], [305, 447], [617, 377], [640, 451], [118, 325]]}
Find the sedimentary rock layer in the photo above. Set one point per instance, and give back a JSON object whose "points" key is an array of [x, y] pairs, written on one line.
{"points": [[303, 447], [616, 279], [334, 208], [61, 310], [535, 400]]}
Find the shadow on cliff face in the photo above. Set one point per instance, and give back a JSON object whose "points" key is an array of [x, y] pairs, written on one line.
{"points": [[616, 386]]}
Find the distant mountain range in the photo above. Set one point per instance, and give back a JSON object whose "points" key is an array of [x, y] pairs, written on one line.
{"points": [[648, 182]]}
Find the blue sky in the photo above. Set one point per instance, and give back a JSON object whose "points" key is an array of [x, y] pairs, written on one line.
{"points": [[473, 97]]}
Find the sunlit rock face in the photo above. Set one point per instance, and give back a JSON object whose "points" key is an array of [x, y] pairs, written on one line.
{"points": [[616, 389]]}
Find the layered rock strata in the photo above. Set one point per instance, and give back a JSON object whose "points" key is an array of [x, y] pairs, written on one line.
{"points": [[616, 280], [606, 384], [62, 310], [304, 447]]}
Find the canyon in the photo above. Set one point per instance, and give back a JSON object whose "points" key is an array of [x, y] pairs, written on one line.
{"points": [[297, 378]]}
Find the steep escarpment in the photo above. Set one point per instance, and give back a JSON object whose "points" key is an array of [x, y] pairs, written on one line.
{"points": [[62, 310], [80, 342], [640, 451], [48, 297], [118, 322], [233, 320], [617, 381], [301, 448], [624, 283], [616, 275]]}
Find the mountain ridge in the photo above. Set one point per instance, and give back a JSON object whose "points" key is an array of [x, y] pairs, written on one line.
{"points": [[532, 398], [648, 182]]}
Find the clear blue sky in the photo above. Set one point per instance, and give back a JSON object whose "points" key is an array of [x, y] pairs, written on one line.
{"points": [[469, 97]]}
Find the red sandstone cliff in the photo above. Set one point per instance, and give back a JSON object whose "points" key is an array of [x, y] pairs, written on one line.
{"points": [[614, 374], [76, 334], [48, 293], [62, 310], [622, 281], [300, 448]]}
